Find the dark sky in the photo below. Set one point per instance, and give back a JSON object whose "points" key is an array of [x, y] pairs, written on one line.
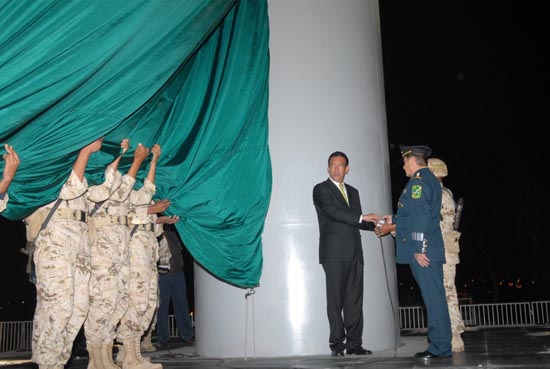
{"points": [[470, 79]]}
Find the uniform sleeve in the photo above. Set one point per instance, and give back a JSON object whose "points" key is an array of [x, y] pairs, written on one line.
{"points": [[125, 188], [73, 188], [144, 195], [418, 197], [447, 213], [139, 202], [103, 191]]}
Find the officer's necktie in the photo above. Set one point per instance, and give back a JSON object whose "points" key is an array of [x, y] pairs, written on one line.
{"points": [[341, 186]]}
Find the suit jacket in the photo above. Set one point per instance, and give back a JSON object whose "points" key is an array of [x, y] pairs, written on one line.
{"points": [[417, 219], [339, 237]]}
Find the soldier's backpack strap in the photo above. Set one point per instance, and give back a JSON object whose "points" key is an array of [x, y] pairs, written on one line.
{"points": [[134, 228], [50, 215], [97, 207]]}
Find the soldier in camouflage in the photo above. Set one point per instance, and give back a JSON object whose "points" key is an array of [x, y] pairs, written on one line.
{"points": [[153, 299], [110, 261], [12, 163], [62, 261], [450, 239], [143, 273]]}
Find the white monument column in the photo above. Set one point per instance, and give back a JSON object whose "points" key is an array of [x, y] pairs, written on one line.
{"points": [[326, 95]]}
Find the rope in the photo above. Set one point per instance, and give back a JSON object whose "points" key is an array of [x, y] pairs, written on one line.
{"points": [[250, 292]]}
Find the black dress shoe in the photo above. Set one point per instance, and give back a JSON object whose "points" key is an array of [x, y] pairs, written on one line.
{"points": [[428, 355], [337, 349], [359, 350]]}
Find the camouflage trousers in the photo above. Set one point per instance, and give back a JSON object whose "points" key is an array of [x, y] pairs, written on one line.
{"points": [[449, 273], [143, 286], [62, 260], [109, 283]]}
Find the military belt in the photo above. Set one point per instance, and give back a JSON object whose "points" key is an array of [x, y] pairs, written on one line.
{"points": [[111, 219], [71, 214]]}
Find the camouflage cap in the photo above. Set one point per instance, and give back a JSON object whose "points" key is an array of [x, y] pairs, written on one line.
{"points": [[438, 167], [416, 150]]}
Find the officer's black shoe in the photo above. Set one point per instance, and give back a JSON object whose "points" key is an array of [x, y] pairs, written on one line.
{"points": [[337, 349], [359, 350]]}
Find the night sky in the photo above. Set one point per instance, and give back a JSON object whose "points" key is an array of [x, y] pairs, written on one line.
{"points": [[470, 79]]}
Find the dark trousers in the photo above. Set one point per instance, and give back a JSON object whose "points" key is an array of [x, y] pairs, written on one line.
{"points": [[430, 281], [172, 287], [344, 282]]}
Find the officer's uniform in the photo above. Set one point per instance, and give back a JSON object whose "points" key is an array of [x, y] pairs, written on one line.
{"points": [[62, 261], [418, 231], [110, 266]]}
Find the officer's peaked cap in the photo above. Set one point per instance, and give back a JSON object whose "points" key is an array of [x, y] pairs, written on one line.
{"points": [[416, 150]]}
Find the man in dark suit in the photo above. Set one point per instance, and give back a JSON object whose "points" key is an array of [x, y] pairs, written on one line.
{"points": [[341, 255], [420, 244]]}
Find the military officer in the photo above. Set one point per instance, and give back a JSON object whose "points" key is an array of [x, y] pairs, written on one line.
{"points": [[420, 244]]}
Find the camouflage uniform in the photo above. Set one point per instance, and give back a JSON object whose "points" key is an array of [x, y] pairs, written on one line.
{"points": [[110, 267], [450, 237], [62, 261], [143, 277]]}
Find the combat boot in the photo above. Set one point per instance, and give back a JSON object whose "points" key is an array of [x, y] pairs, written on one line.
{"points": [[133, 358], [147, 345], [107, 356], [94, 355], [121, 354], [457, 343]]}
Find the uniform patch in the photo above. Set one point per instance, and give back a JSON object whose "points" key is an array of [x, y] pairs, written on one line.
{"points": [[416, 191]]}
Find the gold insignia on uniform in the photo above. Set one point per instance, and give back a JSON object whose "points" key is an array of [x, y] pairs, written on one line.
{"points": [[418, 176], [416, 191]]}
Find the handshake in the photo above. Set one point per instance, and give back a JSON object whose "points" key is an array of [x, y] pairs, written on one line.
{"points": [[383, 224]]}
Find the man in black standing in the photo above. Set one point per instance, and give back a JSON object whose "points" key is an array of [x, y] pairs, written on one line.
{"points": [[341, 255]]}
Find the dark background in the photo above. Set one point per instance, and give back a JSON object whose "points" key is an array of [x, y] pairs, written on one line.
{"points": [[469, 79]]}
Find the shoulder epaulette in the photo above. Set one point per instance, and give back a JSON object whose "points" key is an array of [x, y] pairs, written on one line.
{"points": [[418, 176]]}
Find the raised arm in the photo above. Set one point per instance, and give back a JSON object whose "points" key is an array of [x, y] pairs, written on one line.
{"points": [[124, 145], [153, 166], [79, 167], [139, 156]]}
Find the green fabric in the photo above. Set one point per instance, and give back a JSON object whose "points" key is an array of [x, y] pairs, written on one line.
{"points": [[189, 75]]}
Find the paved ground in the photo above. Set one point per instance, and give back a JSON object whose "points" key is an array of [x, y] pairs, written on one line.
{"points": [[494, 348]]}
